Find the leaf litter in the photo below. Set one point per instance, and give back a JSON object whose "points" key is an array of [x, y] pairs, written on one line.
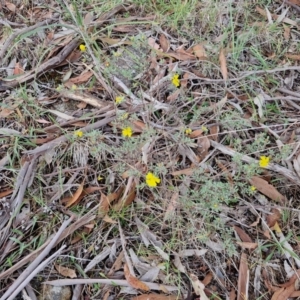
{"points": [[218, 224]]}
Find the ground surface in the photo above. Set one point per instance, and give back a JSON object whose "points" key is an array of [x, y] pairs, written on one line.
{"points": [[150, 149]]}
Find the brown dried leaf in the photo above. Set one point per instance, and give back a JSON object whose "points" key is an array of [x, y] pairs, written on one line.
{"points": [[154, 297], [267, 189], [127, 200], [247, 245], [199, 51], [243, 280], [133, 281], [164, 43], [6, 193], [5, 112], [293, 56], [203, 147], [208, 278], [82, 78], [196, 133], [172, 97], [76, 196], [274, 217], [104, 204], [181, 55], [223, 64], [152, 43], [67, 272], [213, 132], [18, 70], [242, 234], [287, 32], [10, 6], [138, 126]]}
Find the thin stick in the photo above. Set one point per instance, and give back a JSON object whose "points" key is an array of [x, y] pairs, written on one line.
{"points": [[30, 276], [151, 285], [26, 273]]}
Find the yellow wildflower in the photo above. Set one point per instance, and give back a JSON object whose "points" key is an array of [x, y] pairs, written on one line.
{"points": [[264, 161], [204, 128], [127, 132], [73, 87], [252, 188], [175, 80], [188, 131], [152, 180], [82, 47], [99, 178], [119, 99], [78, 133]]}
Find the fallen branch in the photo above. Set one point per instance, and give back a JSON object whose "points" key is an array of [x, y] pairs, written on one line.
{"points": [[151, 285]]}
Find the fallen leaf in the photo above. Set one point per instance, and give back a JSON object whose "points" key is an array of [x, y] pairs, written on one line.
{"points": [[82, 78], [104, 204], [154, 297], [6, 193], [164, 43], [76, 196], [196, 133], [247, 245], [42, 121], [10, 6], [223, 64], [208, 278], [181, 56], [267, 189], [259, 100], [203, 147], [242, 234], [287, 32], [293, 56], [152, 43], [198, 287], [133, 281], [213, 132], [123, 202], [188, 171], [67, 272], [18, 70], [108, 219], [243, 281], [199, 51], [5, 112], [274, 217]]}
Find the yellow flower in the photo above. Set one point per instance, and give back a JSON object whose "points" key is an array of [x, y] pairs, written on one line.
{"points": [[73, 87], [175, 80], [82, 48], [78, 133], [264, 161], [188, 131], [119, 99], [127, 132], [152, 180], [204, 128], [252, 188], [99, 178]]}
